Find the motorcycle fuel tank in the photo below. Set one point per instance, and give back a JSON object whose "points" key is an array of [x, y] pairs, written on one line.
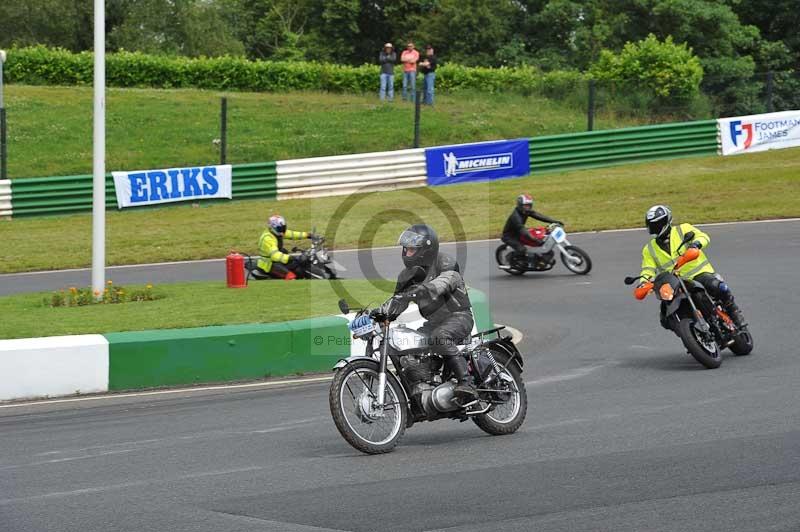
{"points": [[402, 338]]}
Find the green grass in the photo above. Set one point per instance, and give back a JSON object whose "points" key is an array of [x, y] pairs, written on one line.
{"points": [[711, 189], [50, 128], [183, 305]]}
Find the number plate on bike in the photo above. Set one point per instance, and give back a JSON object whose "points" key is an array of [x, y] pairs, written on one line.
{"points": [[558, 234]]}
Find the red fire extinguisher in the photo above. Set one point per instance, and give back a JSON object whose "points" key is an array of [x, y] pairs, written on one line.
{"points": [[234, 264]]}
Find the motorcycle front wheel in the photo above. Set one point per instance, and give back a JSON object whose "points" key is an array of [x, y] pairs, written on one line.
{"points": [[580, 262], [701, 345], [368, 428]]}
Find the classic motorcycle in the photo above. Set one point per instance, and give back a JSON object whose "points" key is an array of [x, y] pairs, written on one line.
{"points": [[315, 263], [546, 242], [372, 405], [692, 314]]}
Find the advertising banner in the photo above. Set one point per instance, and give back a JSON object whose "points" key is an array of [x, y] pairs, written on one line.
{"points": [[152, 187], [481, 161], [746, 134]]}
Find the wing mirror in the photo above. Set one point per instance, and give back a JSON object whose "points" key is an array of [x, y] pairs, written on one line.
{"points": [[344, 307], [631, 280]]}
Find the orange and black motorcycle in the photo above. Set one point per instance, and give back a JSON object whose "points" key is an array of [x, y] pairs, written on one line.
{"points": [[691, 313]]}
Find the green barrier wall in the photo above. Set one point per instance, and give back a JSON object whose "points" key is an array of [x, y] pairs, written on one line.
{"points": [[481, 310], [70, 194], [210, 354], [172, 357], [620, 146], [64, 195]]}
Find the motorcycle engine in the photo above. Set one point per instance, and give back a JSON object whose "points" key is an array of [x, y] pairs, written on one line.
{"points": [[429, 396], [417, 369]]}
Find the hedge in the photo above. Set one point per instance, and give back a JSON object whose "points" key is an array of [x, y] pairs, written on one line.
{"points": [[46, 66]]}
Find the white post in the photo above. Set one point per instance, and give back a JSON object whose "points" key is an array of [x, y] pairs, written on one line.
{"points": [[99, 151]]}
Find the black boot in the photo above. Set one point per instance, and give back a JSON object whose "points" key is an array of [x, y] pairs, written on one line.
{"points": [[736, 315], [464, 391]]}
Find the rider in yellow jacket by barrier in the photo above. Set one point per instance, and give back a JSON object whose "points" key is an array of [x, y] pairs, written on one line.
{"points": [[275, 259], [659, 255]]}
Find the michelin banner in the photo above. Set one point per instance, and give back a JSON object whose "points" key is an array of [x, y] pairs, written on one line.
{"points": [[152, 187], [477, 162], [746, 134]]}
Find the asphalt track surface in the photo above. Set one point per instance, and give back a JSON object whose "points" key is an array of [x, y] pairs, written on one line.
{"points": [[625, 432]]}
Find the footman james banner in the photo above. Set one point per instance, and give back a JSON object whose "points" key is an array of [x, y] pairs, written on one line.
{"points": [[477, 162], [745, 134], [151, 187]]}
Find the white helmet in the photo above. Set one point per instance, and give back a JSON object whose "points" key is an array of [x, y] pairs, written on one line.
{"points": [[277, 225], [658, 220]]}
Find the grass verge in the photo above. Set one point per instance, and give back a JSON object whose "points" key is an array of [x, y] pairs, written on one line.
{"points": [[50, 128], [711, 189], [197, 304]]}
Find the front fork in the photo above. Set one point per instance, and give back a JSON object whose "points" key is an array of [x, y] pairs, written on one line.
{"points": [[562, 249], [378, 401], [698, 315]]}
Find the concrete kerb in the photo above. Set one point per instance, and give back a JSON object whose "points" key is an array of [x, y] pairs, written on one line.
{"points": [[68, 365]]}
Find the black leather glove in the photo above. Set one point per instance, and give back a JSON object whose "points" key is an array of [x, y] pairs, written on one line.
{"points": [[696, 245]]}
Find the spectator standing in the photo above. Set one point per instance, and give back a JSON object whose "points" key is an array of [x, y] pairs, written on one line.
{"points": [[387, 59], [428, 69], [409, 58]]}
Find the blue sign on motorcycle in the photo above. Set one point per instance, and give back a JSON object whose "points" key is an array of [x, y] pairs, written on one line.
{"points": [[482, 161]]}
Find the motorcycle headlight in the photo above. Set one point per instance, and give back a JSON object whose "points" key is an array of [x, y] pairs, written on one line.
{"points": [[666, 293]]}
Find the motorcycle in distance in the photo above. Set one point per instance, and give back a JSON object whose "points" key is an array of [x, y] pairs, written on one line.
{"points": [[315, 263], [372, 405], [546, 242], [691, 313]]}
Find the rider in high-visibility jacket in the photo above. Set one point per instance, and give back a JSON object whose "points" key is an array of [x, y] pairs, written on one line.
{"points": [[275, 259], [661, 252]]}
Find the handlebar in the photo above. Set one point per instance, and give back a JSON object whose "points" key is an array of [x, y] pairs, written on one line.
{"points": [[640, 292]]}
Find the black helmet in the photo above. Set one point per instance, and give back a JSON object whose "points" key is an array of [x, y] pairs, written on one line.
{"points": [[525, 202], [420, 246], [658, 220]]}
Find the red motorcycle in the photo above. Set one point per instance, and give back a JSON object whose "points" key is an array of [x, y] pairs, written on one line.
{"points": [[545, 242]]}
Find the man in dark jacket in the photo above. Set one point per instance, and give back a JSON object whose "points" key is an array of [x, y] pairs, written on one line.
{"points": [[427, 68], [515, 230], [387, 59], [433, 281]]}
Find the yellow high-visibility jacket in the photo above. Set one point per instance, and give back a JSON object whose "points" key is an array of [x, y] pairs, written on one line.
{"points": [[270, 248], [655, 260]]}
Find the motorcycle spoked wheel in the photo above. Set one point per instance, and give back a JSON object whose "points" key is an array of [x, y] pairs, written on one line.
{"points": [[503, 256], [506, 418], [350, 398], [581, 268], [702, 346], [742, 344]]}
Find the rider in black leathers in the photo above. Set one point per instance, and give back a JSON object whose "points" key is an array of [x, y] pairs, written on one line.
{"points": [[515, 230], [434, 282]]}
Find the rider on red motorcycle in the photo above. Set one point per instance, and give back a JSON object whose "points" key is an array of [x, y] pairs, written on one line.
{"points": [[514, 230]]}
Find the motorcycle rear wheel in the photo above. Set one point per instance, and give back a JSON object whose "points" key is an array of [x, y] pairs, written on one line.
{"points": [[503, 255], [506, 418], [350, 399], [743, 343], [582, 268], [699, 345]]}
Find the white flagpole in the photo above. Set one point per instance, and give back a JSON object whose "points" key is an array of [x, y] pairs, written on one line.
{"points": [[99, 151]]}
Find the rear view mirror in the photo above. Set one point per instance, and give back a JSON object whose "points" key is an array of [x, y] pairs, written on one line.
{"points": [[688, 237], [344, 307], [631, 280]]}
